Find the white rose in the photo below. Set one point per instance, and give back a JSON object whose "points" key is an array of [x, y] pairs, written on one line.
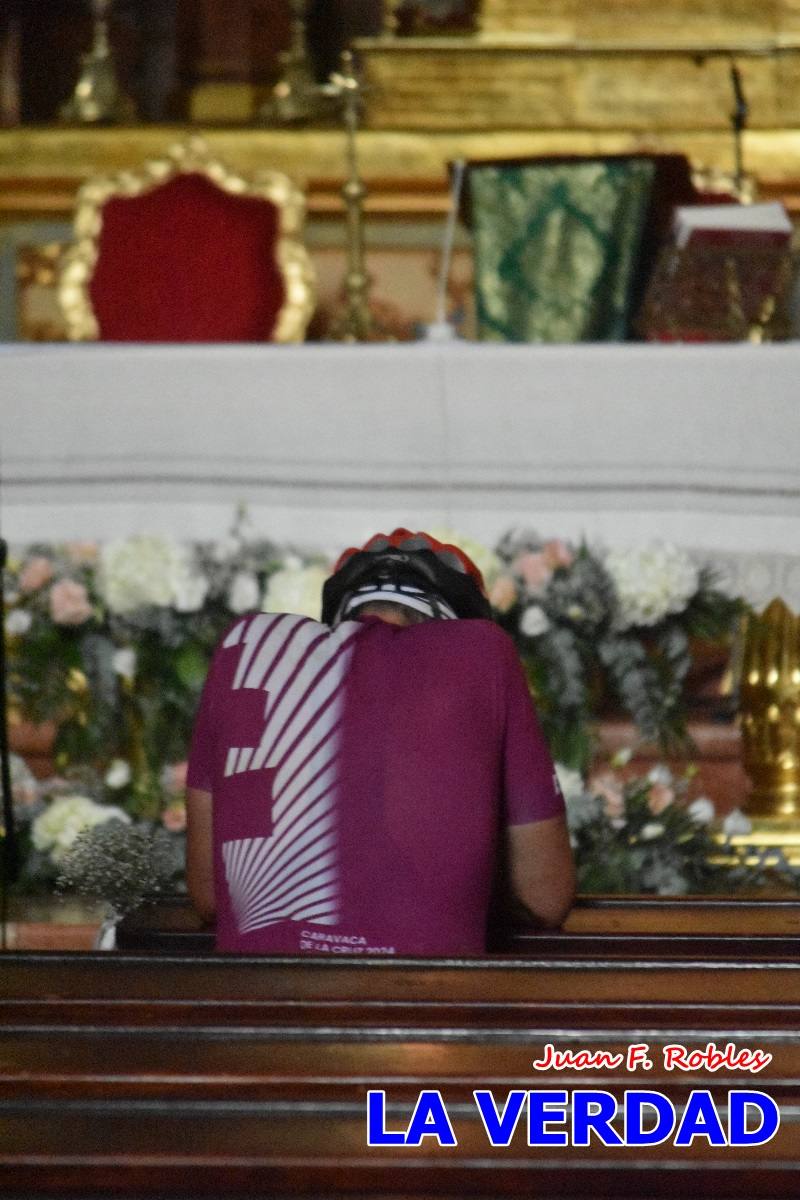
{"points": [[118, 774], [243, 593], [701, 810], [123, 662], [189, 592], [652, 829], [54, 831], [295, 590], [18, 622], [534, 621], [570, 781], [736, 824]]}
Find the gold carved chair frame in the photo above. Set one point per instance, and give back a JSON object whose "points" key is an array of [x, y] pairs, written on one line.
{"points": [[193, 157]]}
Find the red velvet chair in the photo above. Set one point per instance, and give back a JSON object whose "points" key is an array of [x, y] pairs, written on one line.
{"points": [[184, 250]]}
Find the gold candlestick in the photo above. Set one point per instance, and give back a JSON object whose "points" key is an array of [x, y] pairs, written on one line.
{"points": [[770, 711], [356, 324], [297, 99], [391, 17], [98, 98]]}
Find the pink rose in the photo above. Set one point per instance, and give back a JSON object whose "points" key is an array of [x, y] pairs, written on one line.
{"points": [[174, 818], [609, 790], [660, 797], [503, 593], [69, 603], [557, 554], [534, 570], [35, 574]]}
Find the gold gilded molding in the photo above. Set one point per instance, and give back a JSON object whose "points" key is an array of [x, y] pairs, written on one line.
{"points": [[189, 157], [526, 84], [406, 172], [670, 21], [770, 710]]}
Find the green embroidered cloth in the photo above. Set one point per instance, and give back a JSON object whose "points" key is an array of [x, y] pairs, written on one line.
{"points": [[556, 247]]}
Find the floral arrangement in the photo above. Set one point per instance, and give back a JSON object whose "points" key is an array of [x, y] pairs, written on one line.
{"points": [[111, 642], [122, 863], [619, 623], [644, 834]]}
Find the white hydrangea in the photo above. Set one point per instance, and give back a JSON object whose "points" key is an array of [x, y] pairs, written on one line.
{"points": [[139, 571], [244, 592], [296, 590], [534, 621], [54, 831], [651, 582], [651, 830]]}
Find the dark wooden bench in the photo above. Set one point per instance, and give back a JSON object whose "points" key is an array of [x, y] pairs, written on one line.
{"points": [[620, 926], [140, 1075]]}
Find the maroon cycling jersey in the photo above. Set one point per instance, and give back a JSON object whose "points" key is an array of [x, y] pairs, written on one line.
{"points": [[360, 777]]}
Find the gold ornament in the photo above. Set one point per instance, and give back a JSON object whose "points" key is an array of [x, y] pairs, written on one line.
{"points": [[355, 324], [98, 98], [297, 98], [770, 710]]}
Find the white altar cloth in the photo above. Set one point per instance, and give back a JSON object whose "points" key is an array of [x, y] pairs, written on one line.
{"points": [[324, 444]]}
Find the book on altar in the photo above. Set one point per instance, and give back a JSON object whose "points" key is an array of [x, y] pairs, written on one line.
{"points": [[738, 224]]}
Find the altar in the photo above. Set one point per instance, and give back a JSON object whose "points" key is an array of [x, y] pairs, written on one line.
{"points": [[323, 444]]}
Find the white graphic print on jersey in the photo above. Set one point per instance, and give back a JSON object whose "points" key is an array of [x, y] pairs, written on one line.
{"points": [[301, 666]]}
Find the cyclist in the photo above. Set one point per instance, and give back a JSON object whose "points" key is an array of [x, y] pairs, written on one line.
{"points": [[352, 782]]}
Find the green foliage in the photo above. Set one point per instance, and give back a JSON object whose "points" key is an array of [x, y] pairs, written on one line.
{"points": [[640, 836], [591, 626]]}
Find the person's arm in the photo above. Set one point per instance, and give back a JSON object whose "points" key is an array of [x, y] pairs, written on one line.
{"points": [[199, 852], [199, 806], [541, 869]]}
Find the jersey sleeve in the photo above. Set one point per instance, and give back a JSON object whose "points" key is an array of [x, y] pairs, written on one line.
{"points": [[531, 789]]}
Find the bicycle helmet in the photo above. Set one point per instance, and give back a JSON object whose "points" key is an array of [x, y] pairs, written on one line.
{"points": [[412, 569]]}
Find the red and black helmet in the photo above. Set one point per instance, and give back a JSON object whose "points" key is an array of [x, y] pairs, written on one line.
{"points": [[403, 564]]}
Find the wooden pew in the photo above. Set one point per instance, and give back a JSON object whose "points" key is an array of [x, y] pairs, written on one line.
{"points": [[219, 1076], [68, 989], [654, 926], [247, 1076]]}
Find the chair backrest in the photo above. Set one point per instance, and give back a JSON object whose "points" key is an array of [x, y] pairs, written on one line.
{"points": [[185, 250]]}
